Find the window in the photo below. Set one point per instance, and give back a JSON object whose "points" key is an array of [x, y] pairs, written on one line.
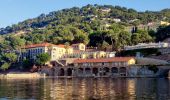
{"points": [[84, 64], [81, 47]]}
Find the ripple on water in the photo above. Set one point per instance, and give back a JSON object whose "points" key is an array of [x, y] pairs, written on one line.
{"points": [[86, 89]]}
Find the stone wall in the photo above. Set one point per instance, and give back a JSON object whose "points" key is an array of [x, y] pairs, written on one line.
{"points": [[21, 75]]}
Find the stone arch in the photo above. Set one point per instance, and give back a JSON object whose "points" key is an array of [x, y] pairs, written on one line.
{"points": [[80, 70], [61, 72], [69, 72], [88, 70], [106, 70], [95, 71], [114, 70], [122, 71]]}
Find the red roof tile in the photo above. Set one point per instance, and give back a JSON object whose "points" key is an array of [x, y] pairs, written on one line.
{"points": [[63, 46], [114, 59], [43, 45], [76, 44], [38, 45]]}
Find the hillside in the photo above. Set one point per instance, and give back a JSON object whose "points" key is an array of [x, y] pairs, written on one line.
{"points": [[97, 26], [89, 18]]}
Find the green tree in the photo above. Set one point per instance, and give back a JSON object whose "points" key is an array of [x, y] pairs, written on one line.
{"points": [[42, 59], [141, 36], [163, 33], [113, 34], [7, 59], [135, 38], [16, 42], [124, 38], [104, 45], [27, 63], [5, 66]]}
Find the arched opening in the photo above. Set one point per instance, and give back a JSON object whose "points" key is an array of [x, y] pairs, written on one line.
{"points": [[61, 72], [53, 71], [114, 70], [88, 71], [69, 72], [95, 71], [122, 71], [80, 71], [106, 71]]}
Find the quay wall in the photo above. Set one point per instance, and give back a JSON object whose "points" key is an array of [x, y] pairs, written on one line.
{"points": [[106, 71], [21, 75]]}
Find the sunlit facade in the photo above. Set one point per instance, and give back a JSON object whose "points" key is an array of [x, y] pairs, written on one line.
{"points": [[55, 51]]}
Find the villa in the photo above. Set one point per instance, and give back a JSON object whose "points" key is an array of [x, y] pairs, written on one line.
{"points": [[55, 51], [81, 51]]}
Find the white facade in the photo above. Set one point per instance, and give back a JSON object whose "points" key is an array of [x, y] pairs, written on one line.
{"points": [[55, 51]]}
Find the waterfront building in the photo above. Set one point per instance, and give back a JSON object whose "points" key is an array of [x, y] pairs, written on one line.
{"points": [[55, 51], [147, 45], [101, 67], [60, 51], [114, 61]]}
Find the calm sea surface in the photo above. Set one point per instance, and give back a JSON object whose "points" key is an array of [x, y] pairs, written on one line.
{"points": [[86, 89]]}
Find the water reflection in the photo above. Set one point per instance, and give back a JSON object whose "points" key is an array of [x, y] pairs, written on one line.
{"points": [[86, 89]]}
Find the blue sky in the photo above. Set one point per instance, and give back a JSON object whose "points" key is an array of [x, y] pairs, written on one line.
{"points": [[14, 11]]}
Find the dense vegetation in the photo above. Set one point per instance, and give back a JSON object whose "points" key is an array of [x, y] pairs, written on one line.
{"points": [[89, 18], [93, 25], [144, 52], [163, 33]]}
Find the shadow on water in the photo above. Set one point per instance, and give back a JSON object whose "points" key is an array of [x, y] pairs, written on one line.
{"points": [[86, 89]]}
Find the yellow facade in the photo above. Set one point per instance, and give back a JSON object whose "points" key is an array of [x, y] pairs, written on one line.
{"points": [[110, 62], [84, 55], [131, 61], [79, 46], [57, 53]]}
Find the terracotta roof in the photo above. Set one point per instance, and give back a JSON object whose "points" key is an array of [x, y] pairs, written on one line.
{"points": [[86, 51], [76, 44], [38, 45], [44, 45], [113, 59], [91, 50], [63, 46]]}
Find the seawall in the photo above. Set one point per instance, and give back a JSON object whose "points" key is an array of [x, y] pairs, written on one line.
{"points": [[21, 75]]}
